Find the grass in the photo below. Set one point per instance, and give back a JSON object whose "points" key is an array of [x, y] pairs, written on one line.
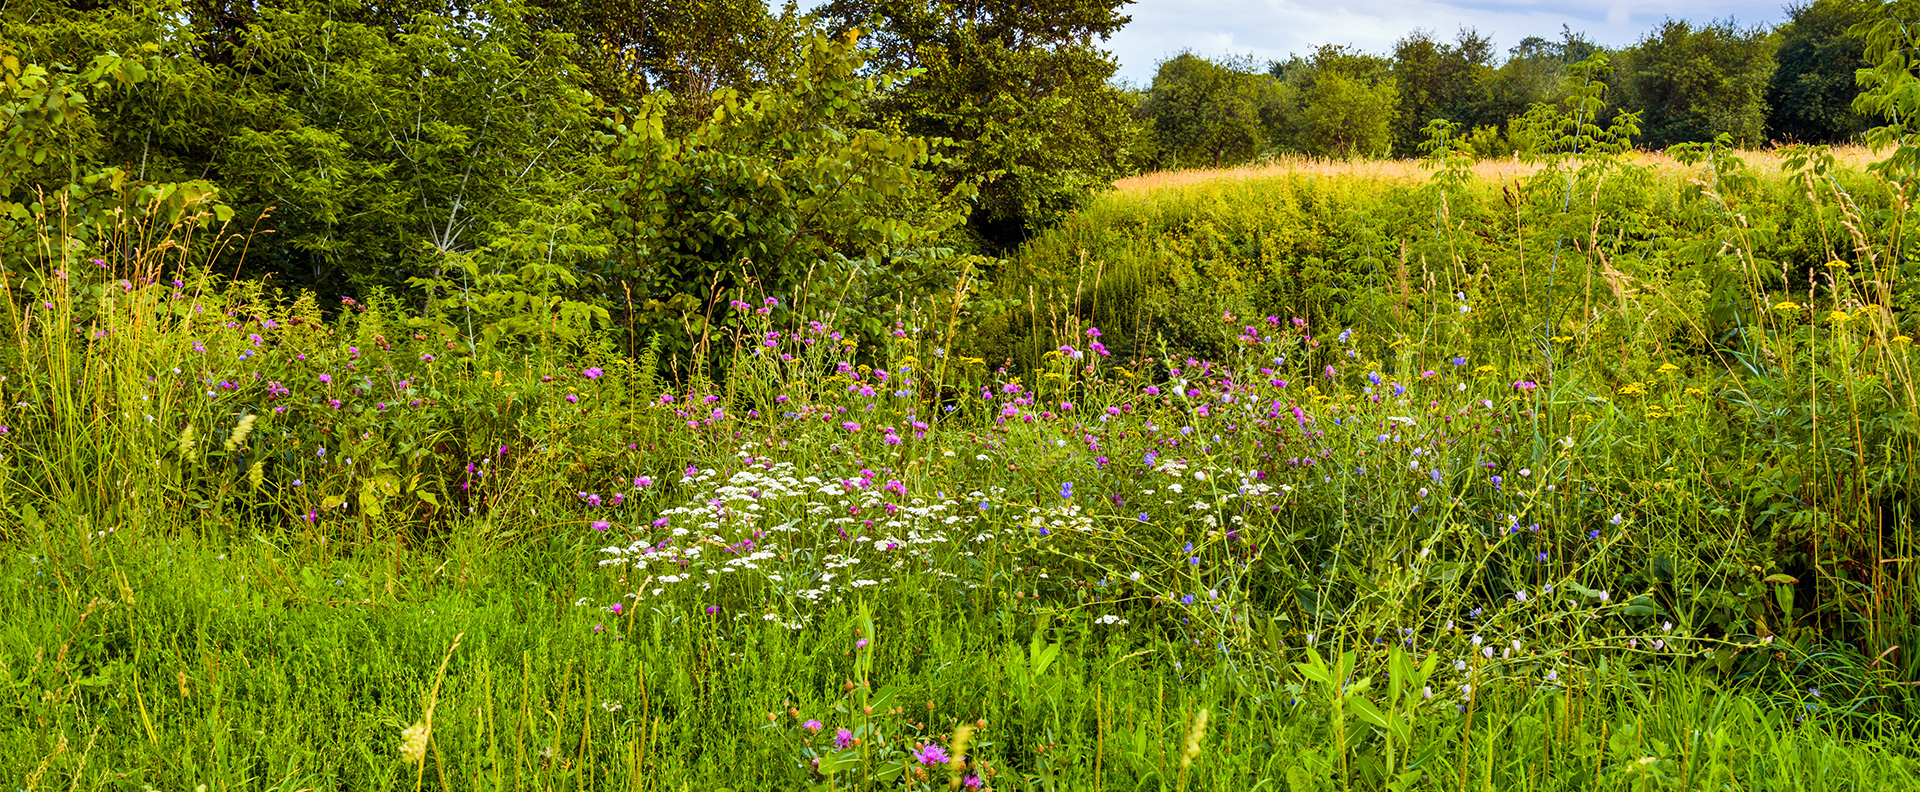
{"points": [[170, 665], [1492, 170], [1437, 537]]}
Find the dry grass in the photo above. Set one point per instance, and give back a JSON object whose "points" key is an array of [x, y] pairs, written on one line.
{"points": [[1410, 171]]}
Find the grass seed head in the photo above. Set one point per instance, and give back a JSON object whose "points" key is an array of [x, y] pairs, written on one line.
{"points": [[1194, 736], [413, 743], [189, 444], [240, 431]]}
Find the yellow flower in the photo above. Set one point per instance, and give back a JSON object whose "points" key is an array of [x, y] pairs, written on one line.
{"points": [[1786, 306], [1837, 264], [1666, 368], [1486, 369], [1838, 317], [1901, 339]]}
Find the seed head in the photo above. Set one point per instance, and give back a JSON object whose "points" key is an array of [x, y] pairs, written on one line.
{"points": [[413, 743], [1194, 736], [240, 431]]}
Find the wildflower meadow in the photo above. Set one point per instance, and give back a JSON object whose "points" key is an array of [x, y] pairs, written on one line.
{"points": [[1597, 478]]}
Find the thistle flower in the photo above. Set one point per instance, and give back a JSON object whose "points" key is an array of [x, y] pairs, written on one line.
{"points": [[413, 743]]}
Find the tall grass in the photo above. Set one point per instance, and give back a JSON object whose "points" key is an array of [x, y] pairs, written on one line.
{"points": [[1485, 501]]}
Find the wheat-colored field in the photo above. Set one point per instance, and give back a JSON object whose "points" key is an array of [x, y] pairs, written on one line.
{"points": [[1411, 170]]}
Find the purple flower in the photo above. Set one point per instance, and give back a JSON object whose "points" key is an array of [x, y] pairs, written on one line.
{"points": [[1066, 489], [592, 372], [812, 726], [973, 782], [711, 609], [615, 609], [842, 738], [427, 357], [860, 644], [601, 526], [932, 755]]}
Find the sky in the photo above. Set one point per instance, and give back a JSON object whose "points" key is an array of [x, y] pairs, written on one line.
{"points": [[1274, 29]]}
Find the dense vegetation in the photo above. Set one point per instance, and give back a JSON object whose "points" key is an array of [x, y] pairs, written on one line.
{"points": [[1686, 82], [686, 439]]}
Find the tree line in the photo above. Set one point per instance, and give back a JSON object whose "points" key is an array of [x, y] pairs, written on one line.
{"points": [[1688, 82], [514, 168]]}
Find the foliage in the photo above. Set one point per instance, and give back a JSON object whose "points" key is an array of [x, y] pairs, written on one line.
{"points": [[688, 49], [1441, 81], [1692, 83], [380, 144], [1811, 94], [1020, 88], [1208, 113], [1347, 103], [787, 194]]}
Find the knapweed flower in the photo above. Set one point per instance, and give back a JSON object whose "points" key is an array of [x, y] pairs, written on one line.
{"points": [[592, 372], [842, 738], [931, 755], [601, 526], [812, 726], [860, 644]]}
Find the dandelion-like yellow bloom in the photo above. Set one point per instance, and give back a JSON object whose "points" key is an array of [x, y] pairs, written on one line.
{"points": [[1901, 339], [1786, 306], [413, 743]]}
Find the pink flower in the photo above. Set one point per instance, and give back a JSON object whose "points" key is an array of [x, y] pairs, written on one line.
{"points": [[592, 372], [931, 755], [602, 526], [842, 738], [812, 726]]}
